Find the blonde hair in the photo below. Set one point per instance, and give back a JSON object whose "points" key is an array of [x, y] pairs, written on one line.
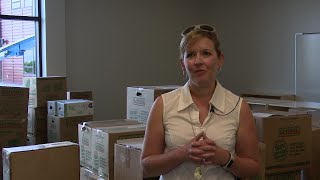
{"points": [[194, 36]]}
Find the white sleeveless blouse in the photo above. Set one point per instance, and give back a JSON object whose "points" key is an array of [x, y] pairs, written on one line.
{"points": [[181, 123]]}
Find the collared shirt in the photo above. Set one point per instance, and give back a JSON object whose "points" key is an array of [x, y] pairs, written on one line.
{"points": [[181, 123]]}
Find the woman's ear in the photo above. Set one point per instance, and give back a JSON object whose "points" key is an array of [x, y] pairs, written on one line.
{"points": [[182, 65], [183, 68], [221, 61]]}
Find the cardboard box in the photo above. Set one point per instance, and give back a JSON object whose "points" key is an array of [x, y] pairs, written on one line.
{"points": [[86, 174], [313, 172], [79, 95], [127, 165], [291, 97], [46, 161], [287, 138], [43, 89], [140, 100], [12, 133], [315, 114], [37, 121], [283, 105], [79, 107], [291, 175], [53, 107], [103, 146], [14, 103], [127, 159], [85, 137], [65, 128]]}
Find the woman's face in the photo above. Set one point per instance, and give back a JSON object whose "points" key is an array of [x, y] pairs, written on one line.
{"points": [[201, 62]]}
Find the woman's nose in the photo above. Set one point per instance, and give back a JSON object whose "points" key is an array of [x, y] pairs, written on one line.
{"points": [[197, 59]]}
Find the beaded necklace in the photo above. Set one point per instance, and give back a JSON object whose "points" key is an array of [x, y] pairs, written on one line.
{"points": [[199, 171]]}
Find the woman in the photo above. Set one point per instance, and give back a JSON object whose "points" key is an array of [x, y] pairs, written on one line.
{"points": [[201, 130]]}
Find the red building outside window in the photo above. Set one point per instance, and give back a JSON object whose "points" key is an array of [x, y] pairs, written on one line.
{"points": [[19, 40]]}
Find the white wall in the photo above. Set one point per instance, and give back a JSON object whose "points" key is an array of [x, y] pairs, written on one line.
{"points": [[258, 39], [114, 44], [54, 31]]}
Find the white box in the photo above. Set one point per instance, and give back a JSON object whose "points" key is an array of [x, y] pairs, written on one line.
{"points": [[65, 128], [70, 108], [53, 107], [103, 141], [85, 137], [86, 174], [140, 100]]}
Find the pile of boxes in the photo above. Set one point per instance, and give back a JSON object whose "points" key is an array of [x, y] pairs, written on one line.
{"points": [[111, 149], [97, 139], [288, 141], [13, 117], [64, 117], [290, 137], [54, 115], [102, 142], [42, 90]]}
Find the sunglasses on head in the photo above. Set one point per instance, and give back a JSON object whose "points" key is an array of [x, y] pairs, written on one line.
{"points": [[200, 27]]}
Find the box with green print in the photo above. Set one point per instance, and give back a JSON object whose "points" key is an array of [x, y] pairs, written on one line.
{"points": [[70, 108], [288, 140]]}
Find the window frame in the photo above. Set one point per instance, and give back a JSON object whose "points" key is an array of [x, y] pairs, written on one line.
{"points": [[37, 20]]}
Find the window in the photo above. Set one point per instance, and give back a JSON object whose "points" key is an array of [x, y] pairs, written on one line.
{"points": [[15, 4], [20, 39]]}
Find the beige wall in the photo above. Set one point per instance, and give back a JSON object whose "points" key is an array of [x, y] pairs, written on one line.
{"points": [[114, 44]]}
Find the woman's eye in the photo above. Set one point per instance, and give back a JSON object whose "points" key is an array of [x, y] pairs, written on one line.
{"points": [[206, 53], [189, 55]]}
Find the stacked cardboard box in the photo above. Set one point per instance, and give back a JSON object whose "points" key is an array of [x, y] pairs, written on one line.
{"points": [[103, 146], [141, 98], [313, 172], [127, 165], [13, 117], [97, 139], [80, 95], [45, 161], [315, 114], [85, 137], [64, 117], [86, 174], [290, 175], [288, 141], [127, 159], [42, 89], [291, 97]]}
